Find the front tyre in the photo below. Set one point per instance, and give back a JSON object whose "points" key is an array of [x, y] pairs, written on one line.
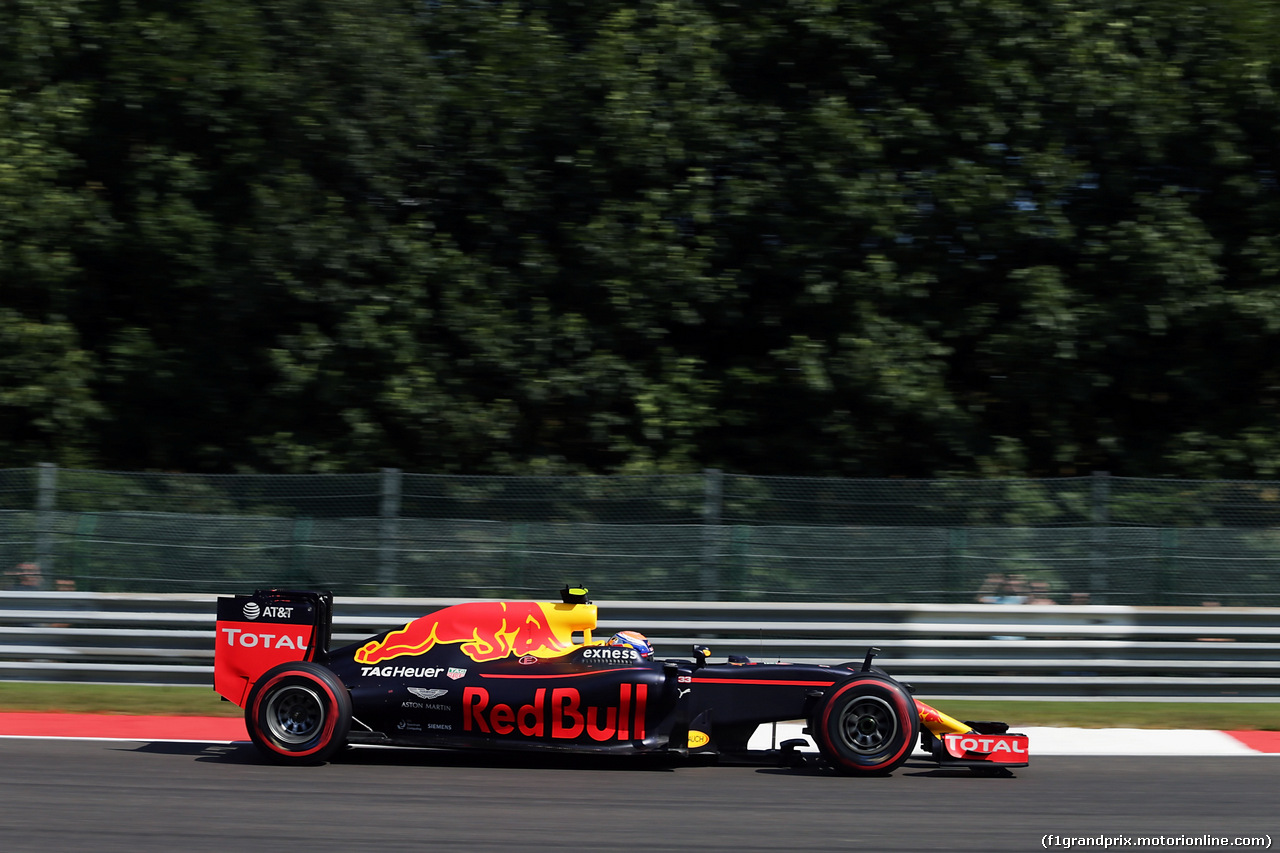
{"points": [[298, 713], [866, 725]]}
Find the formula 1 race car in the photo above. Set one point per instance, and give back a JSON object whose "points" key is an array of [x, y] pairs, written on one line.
{"points": [[524, 675]]}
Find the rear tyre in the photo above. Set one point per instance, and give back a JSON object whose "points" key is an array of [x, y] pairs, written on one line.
{"points": [[866, 725], [298, 713]]}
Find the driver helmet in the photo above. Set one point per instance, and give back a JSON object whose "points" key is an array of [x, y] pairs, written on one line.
{"points": [[635, 640]]}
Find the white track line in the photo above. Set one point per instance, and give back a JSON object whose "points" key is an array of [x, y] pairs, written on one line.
{"points": [[1064, 741]]}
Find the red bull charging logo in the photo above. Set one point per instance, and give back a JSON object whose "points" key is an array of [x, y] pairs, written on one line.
{"points": [[486, 630]]}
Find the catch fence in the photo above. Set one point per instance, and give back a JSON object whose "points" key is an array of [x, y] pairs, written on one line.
{"points": [[706, 536]]}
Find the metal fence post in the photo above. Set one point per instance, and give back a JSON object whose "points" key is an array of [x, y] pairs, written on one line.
{"points": [[1100, 501], [712, 506], [389, 531], [1166, 580], [46, 500], [954, 581], [299, 539]]}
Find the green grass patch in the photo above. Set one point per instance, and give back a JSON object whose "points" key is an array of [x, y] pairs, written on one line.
{"points": [[114, 699], [202, 701]]}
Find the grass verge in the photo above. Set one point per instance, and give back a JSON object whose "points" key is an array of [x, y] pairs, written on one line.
{"points": [[114, 699], [202, 701]]}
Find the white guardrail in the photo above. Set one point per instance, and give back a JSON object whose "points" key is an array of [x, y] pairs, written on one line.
{"points": [[943, 650]]}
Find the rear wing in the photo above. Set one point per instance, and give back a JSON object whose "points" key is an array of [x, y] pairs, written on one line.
{"points": [[271, 627]]}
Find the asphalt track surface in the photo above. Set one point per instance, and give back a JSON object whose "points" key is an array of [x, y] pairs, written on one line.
{"points": [[102, 796]]}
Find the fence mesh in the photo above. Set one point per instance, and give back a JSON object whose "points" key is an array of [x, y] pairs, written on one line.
{"points": [[711, 536]]}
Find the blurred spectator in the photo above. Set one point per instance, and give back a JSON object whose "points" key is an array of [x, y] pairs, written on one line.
{"points": [[1016, 590], [63, 585], [999, 589], [1040, 593], [990, 589], [24, 576]]}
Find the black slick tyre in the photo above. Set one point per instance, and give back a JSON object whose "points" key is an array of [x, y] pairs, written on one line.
{"points": [[298, 713], [866, 725]]}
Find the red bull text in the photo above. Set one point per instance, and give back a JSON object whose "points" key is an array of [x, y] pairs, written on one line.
{"points": [[558, 713], [485, 631]]}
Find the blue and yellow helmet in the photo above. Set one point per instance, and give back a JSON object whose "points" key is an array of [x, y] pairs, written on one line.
{"points": [[635, 640]]}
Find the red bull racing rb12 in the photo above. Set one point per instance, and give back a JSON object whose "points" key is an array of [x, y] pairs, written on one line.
{"points": [[524, 675]]}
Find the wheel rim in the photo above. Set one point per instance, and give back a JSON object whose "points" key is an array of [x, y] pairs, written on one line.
{"points": [[868, 725], [295, 714]]}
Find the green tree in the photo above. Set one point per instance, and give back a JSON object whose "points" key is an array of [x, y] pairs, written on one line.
{"points": [[808, 237], [48, 214]]}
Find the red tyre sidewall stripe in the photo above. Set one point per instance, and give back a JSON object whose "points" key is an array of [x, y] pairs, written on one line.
{"points": [[331, 714], [898, 700]]}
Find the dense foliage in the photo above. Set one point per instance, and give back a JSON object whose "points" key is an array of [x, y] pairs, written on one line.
{"points": [[872, 238]]}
